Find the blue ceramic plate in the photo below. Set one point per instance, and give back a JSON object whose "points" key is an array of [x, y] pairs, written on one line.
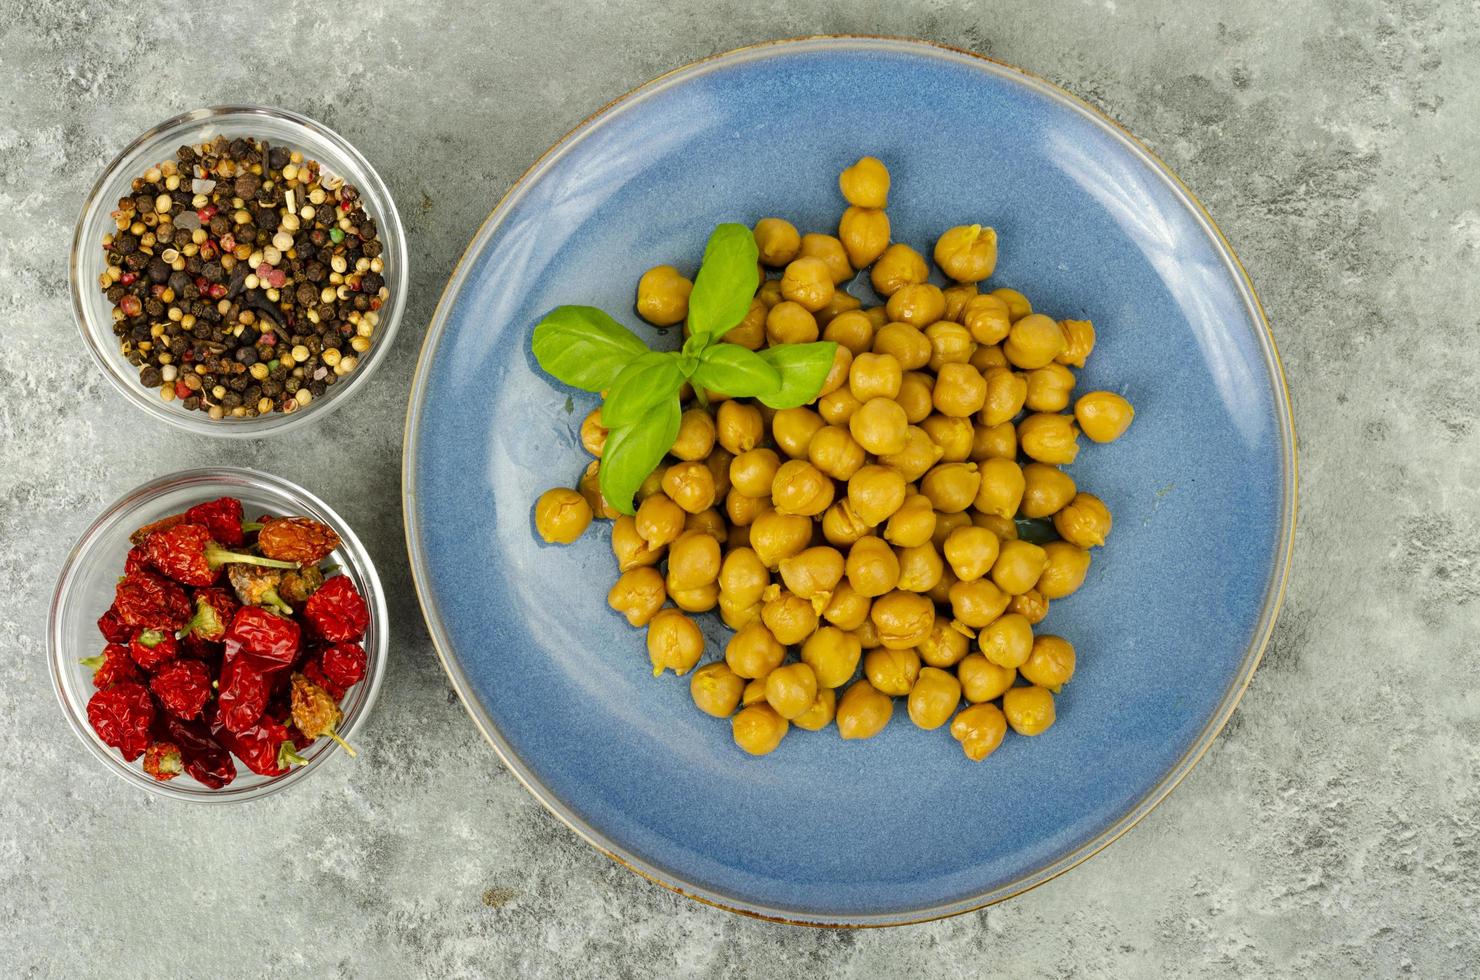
{"points": [[1177, 609]]}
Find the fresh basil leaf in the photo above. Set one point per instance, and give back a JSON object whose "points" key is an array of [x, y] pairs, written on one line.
{"points": [[583, 347], [1039, 530], [803, 368], [647, 380], [633, 451], [726, 282], [732, 370]]}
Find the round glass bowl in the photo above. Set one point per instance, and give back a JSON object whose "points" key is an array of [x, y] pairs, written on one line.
{"points": [[280, 128], [85, 591]]}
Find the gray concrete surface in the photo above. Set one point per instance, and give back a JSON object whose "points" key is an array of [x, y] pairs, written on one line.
{"points": [[1334, 830]]}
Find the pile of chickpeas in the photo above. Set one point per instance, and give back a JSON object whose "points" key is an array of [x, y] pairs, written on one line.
{"points": [[875, 530]]}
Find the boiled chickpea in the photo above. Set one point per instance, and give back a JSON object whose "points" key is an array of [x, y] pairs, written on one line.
{"points": [[838, 407], [561, 515], [1049, 388], [738, 427], [1017, 304], [774, 536], [716, 689], [777, 241], [697, 600], [903, 619], [791, 689], [1080, 335], [1083, 521], [737, 615], [915, 395], [951, 487], [841, 526], [790, 618], [977, 603], [758, 729], [853, 330], [912, 524], [831, 252], [791, 323], [834, 451], [864, 233], [988, 356], [813, 573], [1103, 415], [663, 296], [892, 672], [1029, 710], [1034, 341], [981, 680], [898, 267], [1007, 391], [944, 647], [920, 568], [754, 651], [840, 303], [695, 435], [833, 656], [1007, 642], [971, 552], [750, 332], [793, 429], [980, 729], [874, 376], [674, 642], [917, 456], [868, 634], [743, 577], [630, 548], [967, 253], [808, 281], [593, 433], [1004, 527], [1031, 605], [801, 488], [718, 463], [934, 698], [754, 693], [866, 183], [946, 523], [953, 436], [1001, 489], [919, 304], [988, 319], [1018, 566], [957, 297], [863, 711], [638, 594], [770, 293], [660, 520], [880, 426], [690, 485], [652, 484], [950, 343], [820, 714], [693, 561], [1046, 489], [1065, 570], [872, 567], [741, 510], [753, 471], [994, 442], [960, 390], [837, 375], [1051, 664], [1049, 438], [875, 493], [847, 609], [906, 344]]}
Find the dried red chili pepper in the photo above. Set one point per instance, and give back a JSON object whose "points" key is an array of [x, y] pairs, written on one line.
{"points": [[187, 553], [315, 713], [163, 761], [205, 760], [344, 664], [140, 535], [336, 611], [258, 587], [242, 694], [152, 648], [297, 586], [313, 669], [269, 641], [222, 517], [266, 748], [150, 601], [214, 609], [113, 628], [299, 539], [183, 687], [111, 666], [136, 561], [122, 716]]}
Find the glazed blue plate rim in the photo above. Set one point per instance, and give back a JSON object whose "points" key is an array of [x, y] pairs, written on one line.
{"points": [[1275, 587]]}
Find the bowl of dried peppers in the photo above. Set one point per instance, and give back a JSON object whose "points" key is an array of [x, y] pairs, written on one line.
{"points": [[216, 634]]}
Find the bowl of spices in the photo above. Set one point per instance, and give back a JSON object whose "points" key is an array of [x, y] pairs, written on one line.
{"points": [[238, 268], [216, 634]]}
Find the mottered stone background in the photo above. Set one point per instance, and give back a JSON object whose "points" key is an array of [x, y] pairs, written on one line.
{"points": [[1334, 829]]}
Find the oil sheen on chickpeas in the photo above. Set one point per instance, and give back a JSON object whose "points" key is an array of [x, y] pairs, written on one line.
{"points": [[864, 547]]}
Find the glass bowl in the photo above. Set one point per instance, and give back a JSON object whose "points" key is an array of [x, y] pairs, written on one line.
{"points": [[281, 128], [85, 591]]}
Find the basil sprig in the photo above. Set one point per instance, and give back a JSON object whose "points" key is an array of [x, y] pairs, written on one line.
{"points": [[587, 349]]}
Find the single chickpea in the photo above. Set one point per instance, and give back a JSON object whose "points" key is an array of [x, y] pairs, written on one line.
{"points": [[663, 296], [561, 515]]}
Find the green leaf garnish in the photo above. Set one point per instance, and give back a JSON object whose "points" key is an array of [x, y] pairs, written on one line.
{"points": [[737, 372], [726, 282], [647, 380], [634, 451], [583, 347], [803, 368]]}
